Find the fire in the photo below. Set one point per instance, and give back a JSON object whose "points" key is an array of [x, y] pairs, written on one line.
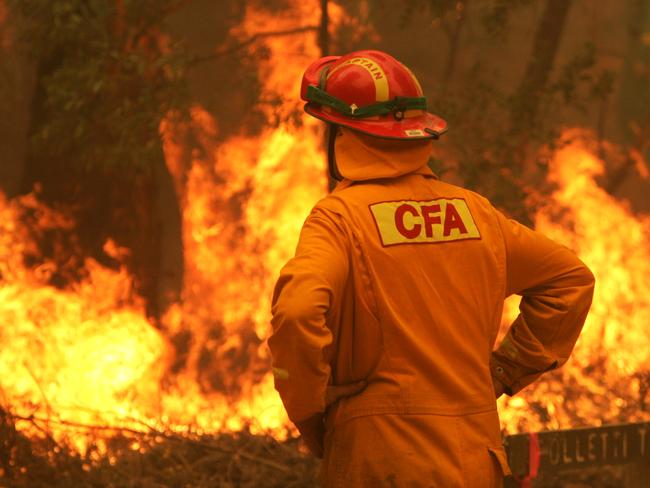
{"points": [[244, 205], [84, 353], [604, 380], [88, 354]]}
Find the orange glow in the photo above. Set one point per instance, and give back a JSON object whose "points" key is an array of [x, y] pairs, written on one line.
{"points": [[84, 354]]}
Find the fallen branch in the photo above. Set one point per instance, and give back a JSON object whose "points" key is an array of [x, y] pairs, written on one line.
{"points": [[153, 433]]}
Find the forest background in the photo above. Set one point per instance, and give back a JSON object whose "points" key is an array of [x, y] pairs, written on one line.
{"points": [[85, 84]]}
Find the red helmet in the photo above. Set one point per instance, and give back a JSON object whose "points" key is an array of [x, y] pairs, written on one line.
{"points": [[370, 92]]}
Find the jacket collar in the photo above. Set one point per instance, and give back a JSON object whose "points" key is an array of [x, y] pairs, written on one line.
{"points": [[363, 158]]}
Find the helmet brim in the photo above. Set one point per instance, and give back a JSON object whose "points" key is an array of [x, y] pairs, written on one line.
{"points": [[425, 126]]}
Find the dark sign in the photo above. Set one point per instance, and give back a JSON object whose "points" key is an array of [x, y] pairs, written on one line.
{"points": [[577, 448]]}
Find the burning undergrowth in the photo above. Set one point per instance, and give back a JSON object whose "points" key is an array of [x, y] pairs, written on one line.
{"points": [[81, 349], [607, 378], [150, 458]]}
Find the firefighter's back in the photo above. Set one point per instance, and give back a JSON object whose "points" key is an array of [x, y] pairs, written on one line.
{"points": [[399, 280], [418, 322]]}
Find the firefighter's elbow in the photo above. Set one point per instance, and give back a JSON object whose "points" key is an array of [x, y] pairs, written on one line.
{"points": [[585, 284], [580, 274], [294, 311], [587, 278]]}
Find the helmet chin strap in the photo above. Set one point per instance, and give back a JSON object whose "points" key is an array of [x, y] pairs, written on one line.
{"points": [[332, 133]]}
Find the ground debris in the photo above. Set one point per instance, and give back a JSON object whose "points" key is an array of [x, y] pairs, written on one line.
{"points": [[128, 458], [153, 460]]}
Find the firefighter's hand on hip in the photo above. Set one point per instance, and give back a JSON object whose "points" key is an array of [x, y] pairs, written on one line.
{"points": [[312, 429], [334, 393], [499, 388]]}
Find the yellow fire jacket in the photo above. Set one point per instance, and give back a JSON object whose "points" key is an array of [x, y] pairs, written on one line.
{"points": [[399, 279]]}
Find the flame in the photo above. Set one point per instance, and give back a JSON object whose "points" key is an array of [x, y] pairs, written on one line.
{"points": [[83, 353], [88, 354], [603, 382], [246, 200]]}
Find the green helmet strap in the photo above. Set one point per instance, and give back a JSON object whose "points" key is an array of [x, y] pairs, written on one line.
{"points": [[396, 105]]}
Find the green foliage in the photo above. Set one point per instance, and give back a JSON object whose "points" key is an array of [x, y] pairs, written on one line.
{"points": [[107, 75]]}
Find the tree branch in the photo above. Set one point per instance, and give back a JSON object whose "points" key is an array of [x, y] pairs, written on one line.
{"points": [[159, 17], [254, 38]]}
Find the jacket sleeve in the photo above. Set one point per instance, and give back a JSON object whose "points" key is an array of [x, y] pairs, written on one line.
{"points": [[300, 342], [556, 290]]}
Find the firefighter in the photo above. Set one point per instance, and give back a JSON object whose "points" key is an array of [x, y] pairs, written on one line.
{"points": [[384, 322]]}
